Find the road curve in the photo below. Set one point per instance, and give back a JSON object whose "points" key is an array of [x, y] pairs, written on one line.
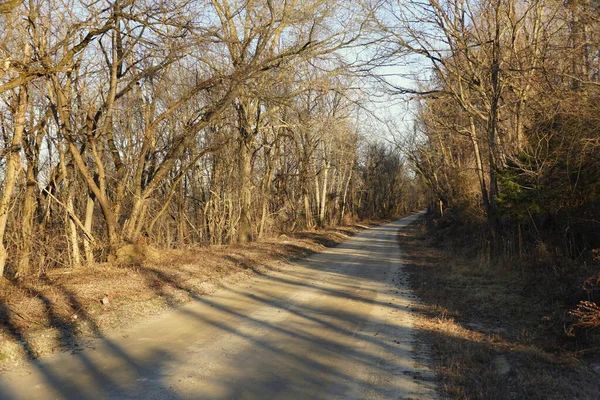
{"points": [[337, 325]]}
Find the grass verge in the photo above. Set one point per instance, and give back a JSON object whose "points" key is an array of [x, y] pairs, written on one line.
{"points": [[492, 335]]}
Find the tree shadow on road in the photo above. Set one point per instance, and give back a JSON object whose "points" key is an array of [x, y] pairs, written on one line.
{"points": [[65, 382], [298, 353]]}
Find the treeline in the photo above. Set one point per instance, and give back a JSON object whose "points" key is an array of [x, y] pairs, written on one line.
{"points": [[508, 131], [181, 122]]}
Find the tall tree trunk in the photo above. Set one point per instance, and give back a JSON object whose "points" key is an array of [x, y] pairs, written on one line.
{"points": [[89, 218], [479, 164], [245, 177], [345, 195], [72, 238], [247, 130], [493, 123], [72, 235], [13, 161], [324, 196], [317, 196]]}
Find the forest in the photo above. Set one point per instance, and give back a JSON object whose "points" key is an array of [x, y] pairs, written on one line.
{"points": [[507, 137], [174, 123]]}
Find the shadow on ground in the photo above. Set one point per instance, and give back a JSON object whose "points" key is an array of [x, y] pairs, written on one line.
{"points": [[328, 331]]}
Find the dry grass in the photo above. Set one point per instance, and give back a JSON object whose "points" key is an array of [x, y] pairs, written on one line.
{"points": [[492, 336], [63, 309]]}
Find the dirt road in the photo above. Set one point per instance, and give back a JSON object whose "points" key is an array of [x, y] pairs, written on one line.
{"points": [[337, 325]]}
